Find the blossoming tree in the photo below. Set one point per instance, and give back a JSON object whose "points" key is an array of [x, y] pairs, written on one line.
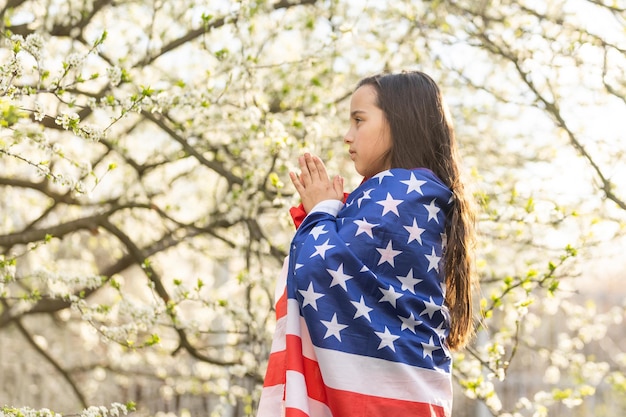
{"points": [[144, 148]]}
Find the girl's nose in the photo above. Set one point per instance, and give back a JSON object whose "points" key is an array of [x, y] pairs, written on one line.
{"points": [[347, 138]]}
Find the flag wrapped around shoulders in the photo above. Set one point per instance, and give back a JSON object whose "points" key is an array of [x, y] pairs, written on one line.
{"points": [[361, 326]]}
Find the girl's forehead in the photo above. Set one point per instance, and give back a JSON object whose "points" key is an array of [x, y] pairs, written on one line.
{"points": [[364, 96]]}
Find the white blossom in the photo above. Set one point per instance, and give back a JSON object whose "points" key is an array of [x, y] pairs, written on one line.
{"points": [[75, 60], [34, 44], [39, 112], [115, 75], [67, 120], [92, 133]]}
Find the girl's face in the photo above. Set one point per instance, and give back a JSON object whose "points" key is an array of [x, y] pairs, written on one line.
{"points": [[369, 135]]}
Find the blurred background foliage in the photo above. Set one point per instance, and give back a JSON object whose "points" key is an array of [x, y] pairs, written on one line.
{"points": [[144, 151]]}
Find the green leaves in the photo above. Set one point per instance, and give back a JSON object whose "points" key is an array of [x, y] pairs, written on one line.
{"points": [[10, 114]]}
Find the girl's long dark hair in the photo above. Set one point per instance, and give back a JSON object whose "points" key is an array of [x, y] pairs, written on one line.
{"points": [[423, 136]]}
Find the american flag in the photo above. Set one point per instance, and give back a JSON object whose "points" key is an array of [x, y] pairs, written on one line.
{"points": [[361, 324]]}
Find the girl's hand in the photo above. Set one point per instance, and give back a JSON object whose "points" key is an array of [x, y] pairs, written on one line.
{"points": [[313, 183]]}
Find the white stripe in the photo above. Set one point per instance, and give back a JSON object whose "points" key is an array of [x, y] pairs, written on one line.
{"points": [[296, 393], [271, 401], [296, 326], [307, 345], [281, 281], [279, 342], [293, 317], [296, 397], [382, 378], [372, 376]]}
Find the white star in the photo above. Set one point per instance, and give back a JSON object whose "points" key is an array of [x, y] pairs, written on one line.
{"points": [[364, 269], [432, 210], [387, 254], [409, 322], [441, 331], [339, 278], [415, 232], [429, 348], [390, 205], [386, 339], [365, 227], [366, 196], [310, 296], [413, 184], [390, 296], [333, 327], [362, 310], [430, 308], [321, 249], [444, 240], [409, 282], [382, 175], [317, 231], [433, 260]]}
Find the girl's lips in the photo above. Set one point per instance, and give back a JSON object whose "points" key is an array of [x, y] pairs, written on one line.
{"points": [[352, 154]]}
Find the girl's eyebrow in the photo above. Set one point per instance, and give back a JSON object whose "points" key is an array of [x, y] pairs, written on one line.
{"points": [[355, 112]]}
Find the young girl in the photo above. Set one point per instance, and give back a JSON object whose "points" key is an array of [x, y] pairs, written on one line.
{"points": [[378, 289]]}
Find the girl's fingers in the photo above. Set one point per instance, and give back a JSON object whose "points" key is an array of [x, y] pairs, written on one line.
{"points": [[296, 182], [338, 186], [313, 170], [305, 176], [311, 164], [320, 168]]}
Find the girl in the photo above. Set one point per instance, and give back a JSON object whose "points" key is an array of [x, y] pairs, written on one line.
{"points": [[379, 288]]}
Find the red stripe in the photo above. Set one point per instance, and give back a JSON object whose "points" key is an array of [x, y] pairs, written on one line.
{"points": [[347, 404], [294, 412], [308, 367], [342, 403], [276, 368], [281, 306]]}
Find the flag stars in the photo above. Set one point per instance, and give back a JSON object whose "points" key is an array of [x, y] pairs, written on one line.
{"points": [[365, 196], [415, 232], [381, 175], [365, 227], [321, 249], [310, 296], [429, 348], [390, 205], [339, 278], [409, 323], [432, 211], [317, 231], [409, 281], [430, 308], [362, 310], [441, 331], [333, 328], [390, 296], [433, 260], [413, 184], [388, 254], [386, 339]]}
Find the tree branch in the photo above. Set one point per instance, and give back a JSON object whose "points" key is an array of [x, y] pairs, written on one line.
{"points": [[62, 229], [53, 362], [139, 257]]}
